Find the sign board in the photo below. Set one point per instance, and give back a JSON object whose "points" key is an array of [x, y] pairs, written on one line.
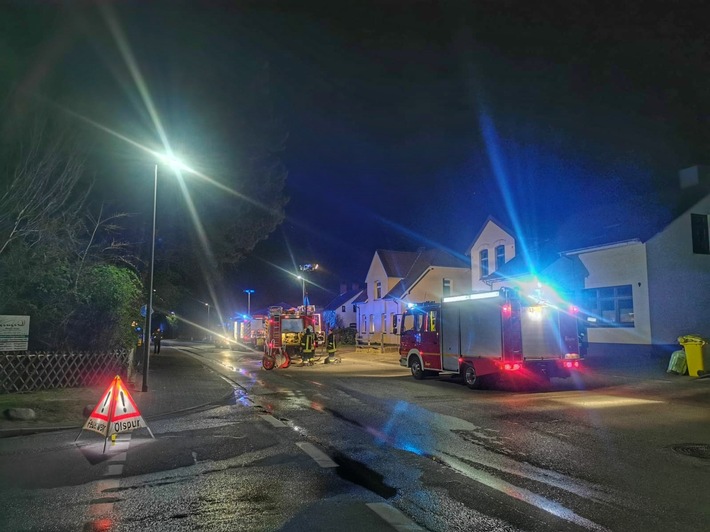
{"points": [[14, 333], [116, 412]]}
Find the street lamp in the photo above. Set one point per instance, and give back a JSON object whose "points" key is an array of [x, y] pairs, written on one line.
{"points": [[305, 268], [176, 164], [208, 315], [149, 309], [303, 289], [249, 292]]}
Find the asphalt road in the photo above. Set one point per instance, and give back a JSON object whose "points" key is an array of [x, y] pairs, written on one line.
{"points": [[362, 446]]}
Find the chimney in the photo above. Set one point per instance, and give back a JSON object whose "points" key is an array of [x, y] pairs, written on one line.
{"points": [[695, 175]]}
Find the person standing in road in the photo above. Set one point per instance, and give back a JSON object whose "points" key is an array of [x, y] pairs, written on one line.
{"points": [[308, 343], [157, 336], [330, 347]]}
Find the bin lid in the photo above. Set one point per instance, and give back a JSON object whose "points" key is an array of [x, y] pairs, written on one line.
{"points": [[692, 339]]}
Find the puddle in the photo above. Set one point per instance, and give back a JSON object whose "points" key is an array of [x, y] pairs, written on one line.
{"points": [[358, 473]]}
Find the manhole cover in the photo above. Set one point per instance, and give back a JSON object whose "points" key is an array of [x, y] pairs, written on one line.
{"points": [[696, 450]]}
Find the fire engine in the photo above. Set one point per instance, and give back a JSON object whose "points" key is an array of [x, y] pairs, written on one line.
{"points": [[485, 335], [283, 334], [251, 330]]}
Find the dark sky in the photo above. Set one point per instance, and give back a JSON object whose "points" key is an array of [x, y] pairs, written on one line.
{"points": [[410, 122]]}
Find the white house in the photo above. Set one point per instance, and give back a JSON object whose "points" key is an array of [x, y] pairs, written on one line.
{"points": [[637, 295], [342, 310], [492, 247], [396, 278]]}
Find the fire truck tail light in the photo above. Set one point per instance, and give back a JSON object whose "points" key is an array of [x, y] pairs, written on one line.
{"points": [[507, 310], [573, 309], [572, 363], [511, 367]]}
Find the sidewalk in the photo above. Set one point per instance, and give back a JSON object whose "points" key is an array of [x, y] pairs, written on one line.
{"points": [[176, 382]]}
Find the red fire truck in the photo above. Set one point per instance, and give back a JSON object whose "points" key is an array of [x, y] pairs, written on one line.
{"points": [[251, 330], [283, 334], [485, 335]]}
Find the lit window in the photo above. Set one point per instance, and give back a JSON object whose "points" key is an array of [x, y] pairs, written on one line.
{"points": [[611, 306], [500, 256], [378, 290], [372, 323], [483, 261], [701, 235]]}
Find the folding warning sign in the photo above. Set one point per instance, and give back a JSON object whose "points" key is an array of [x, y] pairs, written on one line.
{"points": [[116, 412]]}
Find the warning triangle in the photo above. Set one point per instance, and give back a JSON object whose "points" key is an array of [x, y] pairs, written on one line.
{"points": [[116, 412]]}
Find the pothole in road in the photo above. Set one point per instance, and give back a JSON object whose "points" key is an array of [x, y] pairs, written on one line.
{"points": [[358, 473], [696, 450]]}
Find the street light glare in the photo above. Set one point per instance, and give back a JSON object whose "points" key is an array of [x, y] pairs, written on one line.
{"points": [[174, 162]]}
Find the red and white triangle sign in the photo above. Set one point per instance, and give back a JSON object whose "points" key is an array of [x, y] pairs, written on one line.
{"points": [[115, 412]]}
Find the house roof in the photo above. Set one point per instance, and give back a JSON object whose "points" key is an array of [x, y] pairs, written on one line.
{"points": [[343, 299], [483, 226], [425, 259], [397, 263]]}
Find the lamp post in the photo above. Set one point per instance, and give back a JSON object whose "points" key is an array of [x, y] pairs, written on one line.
{"points": [[149, 309], [208, 320], [176, 164], [303, 290], [249, 292], [305, 268]]}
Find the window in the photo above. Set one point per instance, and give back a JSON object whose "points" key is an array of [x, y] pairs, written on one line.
{"points": [[354, 308], [446, 288], [378, 290], [611, 306], [701, 236], [342, 309], [500, 256], [483, 261], [394, 323], [412, 322], [372, 323]]}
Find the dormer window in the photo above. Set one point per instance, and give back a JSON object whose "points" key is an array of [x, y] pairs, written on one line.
{"points": [[378, 290]]}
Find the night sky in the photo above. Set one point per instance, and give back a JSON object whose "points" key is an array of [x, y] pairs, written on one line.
{"points": [[409, 122]]}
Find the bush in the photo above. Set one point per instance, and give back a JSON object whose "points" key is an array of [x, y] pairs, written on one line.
{"points": [[346, 335]]}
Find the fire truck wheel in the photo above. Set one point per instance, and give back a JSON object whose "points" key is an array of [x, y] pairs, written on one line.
{"points": [[416, 367], [469, 377], [267, 362]]}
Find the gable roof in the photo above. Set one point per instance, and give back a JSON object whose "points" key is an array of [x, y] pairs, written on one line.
{"points": [[426, 259], [396, 263], [490, 219], [343, 299]]}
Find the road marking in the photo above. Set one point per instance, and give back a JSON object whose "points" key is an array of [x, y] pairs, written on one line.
{"points": [[393, 517], [273, 421], [314, 452]]}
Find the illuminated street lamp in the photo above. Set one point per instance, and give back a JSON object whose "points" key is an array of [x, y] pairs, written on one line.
{"points": [[249, 292], [175, 164]]}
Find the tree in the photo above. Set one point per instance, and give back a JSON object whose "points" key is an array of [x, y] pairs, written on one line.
{"points": [[58, 262]]}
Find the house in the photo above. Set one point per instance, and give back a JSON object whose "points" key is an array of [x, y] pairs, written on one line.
{"points": [[639, 290], [493, 246], [397, 278], [342, 310]]}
